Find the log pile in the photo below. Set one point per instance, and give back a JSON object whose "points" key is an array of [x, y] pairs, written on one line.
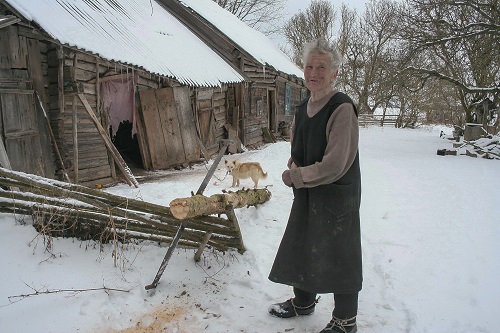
{"points": [[70, 210]]}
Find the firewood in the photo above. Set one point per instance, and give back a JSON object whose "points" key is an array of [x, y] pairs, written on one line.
{"points": [[71, 210], [198, 205]]}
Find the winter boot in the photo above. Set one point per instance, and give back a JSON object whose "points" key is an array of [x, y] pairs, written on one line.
{"points": [[341, 325], [288, 309]]}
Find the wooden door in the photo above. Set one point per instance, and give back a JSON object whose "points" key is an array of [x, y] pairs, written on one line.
{"points": [[21, 126], [169, 131], [206, 121]]}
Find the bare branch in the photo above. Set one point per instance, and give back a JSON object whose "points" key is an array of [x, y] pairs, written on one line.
{"points": [[17, 298], [263, 15], [458, 37], [455, 82]]}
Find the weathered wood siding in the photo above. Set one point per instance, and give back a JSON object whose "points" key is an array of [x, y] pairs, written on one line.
{"points": [[24, 128], [83, 150], [298, 93], [260, 111], [90, 162], [169, 127], [59, 73], [212, 107]]}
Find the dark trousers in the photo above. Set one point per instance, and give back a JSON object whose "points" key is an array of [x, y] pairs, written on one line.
{"points": [[346, 305]]}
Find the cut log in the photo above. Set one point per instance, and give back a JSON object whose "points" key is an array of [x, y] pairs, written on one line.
{"points": [[198, 205]]}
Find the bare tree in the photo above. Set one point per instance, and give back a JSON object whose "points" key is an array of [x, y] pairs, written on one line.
{"points": [[461, 43], [263, 15], [371, 54], [421, 56], [317, 21]]}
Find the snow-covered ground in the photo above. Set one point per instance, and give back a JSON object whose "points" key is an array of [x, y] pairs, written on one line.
{"points": [[430, 233]]}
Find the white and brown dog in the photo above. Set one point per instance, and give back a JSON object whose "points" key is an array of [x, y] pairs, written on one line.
{"points": [[242, 170]]}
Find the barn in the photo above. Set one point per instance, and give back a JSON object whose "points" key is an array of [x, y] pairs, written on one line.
{"points": [[113, 87], [89, 89], [275, 84]]}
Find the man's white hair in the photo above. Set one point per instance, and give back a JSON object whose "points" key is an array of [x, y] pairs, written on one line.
{"points": [[322, 46]]}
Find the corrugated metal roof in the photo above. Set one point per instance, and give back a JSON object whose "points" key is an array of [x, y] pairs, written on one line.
{"points": [[249, 39], [136, 32]]}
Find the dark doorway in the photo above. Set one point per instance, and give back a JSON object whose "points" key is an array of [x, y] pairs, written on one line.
{"points": [[128, 145]]}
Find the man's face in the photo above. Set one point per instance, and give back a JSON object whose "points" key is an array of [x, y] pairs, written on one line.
{"points": [[318, 73]]}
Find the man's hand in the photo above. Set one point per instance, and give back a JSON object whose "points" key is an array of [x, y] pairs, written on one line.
{"points": [[287, 180]]}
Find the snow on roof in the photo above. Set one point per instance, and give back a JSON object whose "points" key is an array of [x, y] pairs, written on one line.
{"points": [[249, 39], [136, 32]]}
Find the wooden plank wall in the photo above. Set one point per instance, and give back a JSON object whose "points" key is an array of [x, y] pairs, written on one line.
{"points": [[256, 117], [257, 110], [186, 118], [69, 71], [211, 101], [27, 139], [297, 90], [80, 72], [84, 153]]}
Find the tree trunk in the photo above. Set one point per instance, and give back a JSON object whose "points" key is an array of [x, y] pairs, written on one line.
{"points": [[198, 205]]}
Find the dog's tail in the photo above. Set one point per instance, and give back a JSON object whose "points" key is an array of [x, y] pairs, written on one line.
{"points": [[264, 174]]}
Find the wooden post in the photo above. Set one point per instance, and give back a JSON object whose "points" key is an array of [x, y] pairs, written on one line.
{"points": [[241, 101], [104, 114], [60, 80], [4, 158], [53, 138], [232, 217], [75, 138], [485, 114], [75, 121], [236, 227], [202, 246]]}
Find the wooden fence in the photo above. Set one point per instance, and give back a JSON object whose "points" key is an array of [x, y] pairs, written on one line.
{"points": [[370, 119]]}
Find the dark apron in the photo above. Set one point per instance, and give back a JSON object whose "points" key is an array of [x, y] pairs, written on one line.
{"points": [[321, 248]]}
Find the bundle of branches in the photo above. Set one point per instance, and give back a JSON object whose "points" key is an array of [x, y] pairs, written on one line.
{"points": [[71, 210]]}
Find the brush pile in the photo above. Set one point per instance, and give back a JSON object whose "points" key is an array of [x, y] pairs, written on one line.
{"points": [[62, 209], [487, 147]]}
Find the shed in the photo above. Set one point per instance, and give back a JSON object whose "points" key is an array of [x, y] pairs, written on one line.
{"points": [[487, 114], [103, 78], [275, 83]]}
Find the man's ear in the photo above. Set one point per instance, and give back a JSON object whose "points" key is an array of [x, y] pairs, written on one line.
{"points": [[334, 75]]}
